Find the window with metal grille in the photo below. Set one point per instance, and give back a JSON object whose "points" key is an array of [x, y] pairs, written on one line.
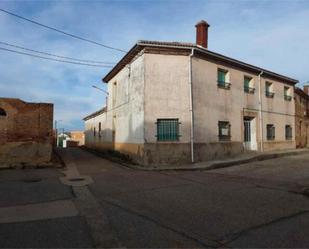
{"points": [[288, 132], [270, 132], [268, 90], [224, 130], [247, 85], [287, 95], [222, 79], [168, 129]]}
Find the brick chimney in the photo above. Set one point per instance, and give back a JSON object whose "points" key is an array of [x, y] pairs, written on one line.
{"points": [[202, 34], [306, 89]]}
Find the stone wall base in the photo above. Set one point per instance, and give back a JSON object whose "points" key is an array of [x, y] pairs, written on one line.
{"points": [[14, 154], [150, 154]]}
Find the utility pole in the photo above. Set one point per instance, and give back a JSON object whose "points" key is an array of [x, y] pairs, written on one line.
{"points": [[56, 122]]}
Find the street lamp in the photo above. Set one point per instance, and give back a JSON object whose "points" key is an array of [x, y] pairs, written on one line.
{"points": [[98, 88]]}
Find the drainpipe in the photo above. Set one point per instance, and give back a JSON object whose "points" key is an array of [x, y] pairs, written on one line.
{"points": [[260, 111], [191, 106]]}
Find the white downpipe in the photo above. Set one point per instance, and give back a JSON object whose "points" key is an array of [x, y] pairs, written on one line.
{"points": [[191, 106], [260, 111]]}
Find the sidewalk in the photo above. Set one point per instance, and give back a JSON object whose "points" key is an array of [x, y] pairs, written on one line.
{"points": [[216, 164], [38, 211]]}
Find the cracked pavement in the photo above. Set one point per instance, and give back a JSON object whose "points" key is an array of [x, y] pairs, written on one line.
{"points": [[231, 207], [259, 204]]}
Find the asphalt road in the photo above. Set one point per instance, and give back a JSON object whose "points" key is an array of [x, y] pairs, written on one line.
{"points": [[37, 211], [252, 205]]}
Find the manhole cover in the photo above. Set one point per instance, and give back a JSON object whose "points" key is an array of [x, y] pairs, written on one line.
{"points": [[28, 180], [77, 179]]}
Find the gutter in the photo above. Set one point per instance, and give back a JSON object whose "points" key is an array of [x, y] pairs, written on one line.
{"points": [[260, 111], [191, 106]]}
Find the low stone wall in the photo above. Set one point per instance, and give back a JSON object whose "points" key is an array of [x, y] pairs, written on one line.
{"points": [[171, 153], [166, 153], [217, 150], [279, 145], [14, 154]]}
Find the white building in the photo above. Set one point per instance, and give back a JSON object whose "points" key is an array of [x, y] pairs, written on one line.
{"points": [[172, 102]]}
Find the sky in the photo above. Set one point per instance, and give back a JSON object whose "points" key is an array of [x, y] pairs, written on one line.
{"points": [[270, 34]]}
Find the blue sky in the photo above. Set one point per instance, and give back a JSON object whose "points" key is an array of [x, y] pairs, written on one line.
{"points": [[270, 34]]}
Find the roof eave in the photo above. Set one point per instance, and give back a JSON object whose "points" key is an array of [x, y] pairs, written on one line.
{"points": [[142, 44], [123, 61]]}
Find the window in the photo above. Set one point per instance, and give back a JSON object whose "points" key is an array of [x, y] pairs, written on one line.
{"points": [[94, 133], [287, 95], [168, 130], [247, 85], [288, 132], [99, 129], [268, 90], [223, 79], [270, 132], [114, 95], [224, 130], [2, 112]]}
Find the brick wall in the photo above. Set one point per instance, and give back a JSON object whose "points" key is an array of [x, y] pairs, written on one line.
{"points": [[301, 119], [25, 132]]}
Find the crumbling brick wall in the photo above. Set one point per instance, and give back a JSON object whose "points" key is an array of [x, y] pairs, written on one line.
{"points": [[301, 119], [25, 132]]}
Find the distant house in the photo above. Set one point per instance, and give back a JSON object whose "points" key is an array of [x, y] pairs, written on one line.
{"points": [[78, 137], [302, 117], [26, 132], [175, 102], [63, 138]]}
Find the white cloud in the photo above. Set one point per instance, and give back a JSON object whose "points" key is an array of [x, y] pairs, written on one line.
{"points": [[272, 35]]}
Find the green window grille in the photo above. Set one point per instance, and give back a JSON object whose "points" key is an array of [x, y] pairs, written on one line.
{"points": [[288, 132], [287, 96], [268, 92], [270, 128], [168, 129], [247, 87], [247, 81], [221, 75]]}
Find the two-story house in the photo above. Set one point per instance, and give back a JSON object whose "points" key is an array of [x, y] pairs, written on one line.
{"points": [[174, 102]]}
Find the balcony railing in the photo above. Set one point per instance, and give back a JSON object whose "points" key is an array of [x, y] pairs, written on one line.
{"points": [[287, 97], [249, 89], [223, 84], [269, 94]]}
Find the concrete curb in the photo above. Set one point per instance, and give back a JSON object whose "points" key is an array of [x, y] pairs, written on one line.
{"points": [[261, 157], [218, 164]]}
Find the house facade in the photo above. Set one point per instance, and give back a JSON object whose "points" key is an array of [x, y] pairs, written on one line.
{"points": [[302, 117], [26, 133], [173, 102], [78, 137]]}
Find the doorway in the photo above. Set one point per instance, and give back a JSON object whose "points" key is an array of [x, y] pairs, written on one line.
{"points": [[250, 133]]}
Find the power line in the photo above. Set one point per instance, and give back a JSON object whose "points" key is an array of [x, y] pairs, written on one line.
{"points": [[54, 55], [62, 32], [52, 59]]}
